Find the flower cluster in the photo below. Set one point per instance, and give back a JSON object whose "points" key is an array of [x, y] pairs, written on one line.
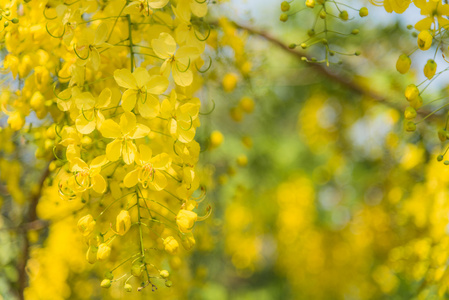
{"points": [[117, 81]]}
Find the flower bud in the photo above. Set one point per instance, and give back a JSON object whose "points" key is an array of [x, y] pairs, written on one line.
{"points": [[403, 64], [430, 69], [424, 40], [108, 275], [106, 283], [103, 251], [355, 31], [242, 160], [86, 225], [323, 14], [168, 283], [416, 103], [247, 104], [186, 220], [285, 6], [310, 3], [123, 222], [164, 273], [188, 241], [440, 157], [171, 245], [411, 92], [410, 126], [128, 287], [410, 113], [15, 20], [344, 15], [363, 12], [91, 255], [442, 135], [137, 269], [216, 139], [229, 82], [283, 17]]}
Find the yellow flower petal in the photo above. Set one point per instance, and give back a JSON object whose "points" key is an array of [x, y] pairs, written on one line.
{"points": [[125, 79], [129, 100], [99, 184], [142, 77], [114, 150], [164, 46], [151, 108], [110, 129], [159, 182], [157, 85], [129, 151], [145, 153], [131, 179], [161, 161], [127, 122]]}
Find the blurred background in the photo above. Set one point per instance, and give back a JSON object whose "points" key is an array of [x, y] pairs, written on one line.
{"points": [[317, 191]]}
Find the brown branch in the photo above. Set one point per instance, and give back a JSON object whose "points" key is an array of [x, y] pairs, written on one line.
{"points": [[29, 223], [320, 68]]}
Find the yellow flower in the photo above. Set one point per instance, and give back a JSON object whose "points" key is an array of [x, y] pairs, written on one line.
{"points": [[103, 251], [149, 171], [123, 222], [182, 117], [141, 88], [178, 61], [89, 44], [91, 116], [88, 176], [123, 135], [186, 220], [171, 245], [436, 13], [86, 225]]}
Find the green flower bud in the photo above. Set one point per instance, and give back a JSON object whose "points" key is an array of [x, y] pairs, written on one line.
{"points": [[446, 162], [303, 45], [108, 275], [355, 31], [311, 32], [6, 24], [442, 135], [363, 12], [409, 27], [292, 46], [283, 17], [344, 15], [106, 283], [357, 53], [410, 126], [410, 113], [128, 287], [15, 20], [323, 14], [168, 283], [440, 157], [137, 269], [285, 6]]}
